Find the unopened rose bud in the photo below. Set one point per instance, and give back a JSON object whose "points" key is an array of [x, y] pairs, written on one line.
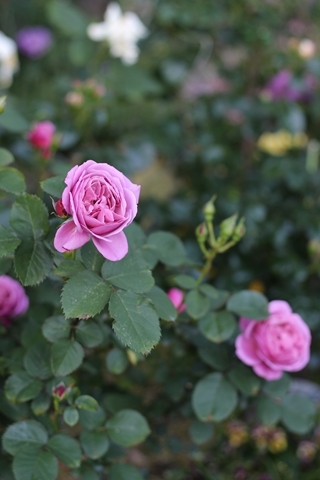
{"points": [[3, 102], [60, 391], [239, 231], [60, 210], [209, 209], [202, 233], [227, 228], [176, 297]]}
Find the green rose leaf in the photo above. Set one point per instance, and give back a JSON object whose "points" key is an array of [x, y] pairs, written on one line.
{"points": [[54, 186], [12, 120], [131, 273], [66, 356], [215, 355], [162, 303], [67, 18], [6, 157], [20, 387], [128, 428], [32, 463], [168, 248], [245, 380], [92, 259], [41, 404], [185, 281], [91, 420], [298, 413], [214, 398], [37, 361], [55, 328], [136, 321], [86, 402], [66, 449], [217, 326], [277, 388], [85, 295], [71, 416], [29, 217], [68, 268], [8, 241], [95, 444], [197, 304], [120, 471], [269, 412], [11, 180], [25, 433], [249, 304], [200, 432], [117, 361], [89, 333], [32, 262], [218, 297]]}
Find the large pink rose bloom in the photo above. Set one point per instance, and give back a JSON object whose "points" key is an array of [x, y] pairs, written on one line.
{"points": [[279, 343], [13, 300], [102, 202]]}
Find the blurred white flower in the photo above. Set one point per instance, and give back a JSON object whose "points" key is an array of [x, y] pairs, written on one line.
{"points": [[121, 30], [9, 62], [307, 48]]}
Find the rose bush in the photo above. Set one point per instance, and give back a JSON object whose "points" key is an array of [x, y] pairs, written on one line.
{"points": [[13, 299], [279, 343], [102, 202]]}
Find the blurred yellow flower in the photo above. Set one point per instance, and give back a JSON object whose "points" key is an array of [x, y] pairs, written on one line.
{"points": [[280, 142]]}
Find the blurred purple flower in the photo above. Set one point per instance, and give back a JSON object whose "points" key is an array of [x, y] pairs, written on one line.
{"points": [[283, 86], [34, 41]]}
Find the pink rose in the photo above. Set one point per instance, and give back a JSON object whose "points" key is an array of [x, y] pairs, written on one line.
{"points": [[279, 343], [176, 297], [41, 136], [102, 202], [13, 300]]}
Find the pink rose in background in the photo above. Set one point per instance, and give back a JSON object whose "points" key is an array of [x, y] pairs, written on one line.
{"points": [[176, 297], [284, 86], [279, 343], [41, 137], [13, 300], [102, 202]]}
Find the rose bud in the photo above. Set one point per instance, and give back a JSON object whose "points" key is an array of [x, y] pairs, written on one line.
{"points": [[60, 210], [41, 137], [176, 297], [60, 391], [13, 300]]}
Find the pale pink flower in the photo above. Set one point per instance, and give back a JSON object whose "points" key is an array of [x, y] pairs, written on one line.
{"points": [[102, 202], [279, 343]]}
